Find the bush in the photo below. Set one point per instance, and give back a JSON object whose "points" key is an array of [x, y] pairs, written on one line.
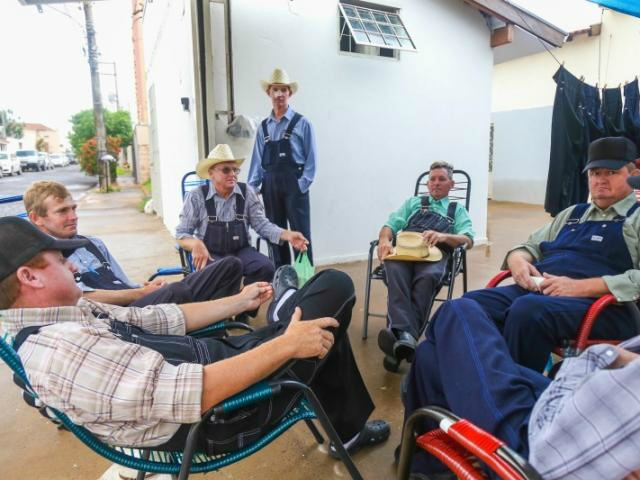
{"points": [[88, 158]]}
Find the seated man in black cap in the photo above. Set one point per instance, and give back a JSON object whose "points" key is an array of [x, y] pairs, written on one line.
{"points": [[113, 370], [587, 251]]}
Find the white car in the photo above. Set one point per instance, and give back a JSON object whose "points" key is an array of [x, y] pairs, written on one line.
{"points": [[44, 157], [59, 159], [9, 164]]}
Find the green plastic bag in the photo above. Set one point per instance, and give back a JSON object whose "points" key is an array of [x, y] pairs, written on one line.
{"points": [[304, 269]]}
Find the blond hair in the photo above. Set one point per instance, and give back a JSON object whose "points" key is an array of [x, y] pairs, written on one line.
{"points": [[38, 192]]}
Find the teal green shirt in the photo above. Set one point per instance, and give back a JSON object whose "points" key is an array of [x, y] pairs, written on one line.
{"points": [[461, 225]]}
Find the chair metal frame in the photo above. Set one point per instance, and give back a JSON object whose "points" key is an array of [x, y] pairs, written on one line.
{"points": [[459, 445], [181, 464], [573, 348], [457, 263], [14, 199]]}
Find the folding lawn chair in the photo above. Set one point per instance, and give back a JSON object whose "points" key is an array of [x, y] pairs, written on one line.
{"points": [[465, 449], [180, 464], [461, 193]]}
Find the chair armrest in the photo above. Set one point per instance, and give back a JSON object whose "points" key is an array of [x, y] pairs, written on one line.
{"points": [[165, 271], [590, 318], [498, 278]]}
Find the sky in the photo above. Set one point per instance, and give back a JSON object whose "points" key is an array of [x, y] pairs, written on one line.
{"points": [[44, 74]]}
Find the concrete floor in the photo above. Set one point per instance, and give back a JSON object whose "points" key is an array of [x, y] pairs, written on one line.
{"points": [[31, 447]]}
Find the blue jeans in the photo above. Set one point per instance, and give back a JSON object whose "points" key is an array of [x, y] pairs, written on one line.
{"points": [[464, 366], [533, 324]]}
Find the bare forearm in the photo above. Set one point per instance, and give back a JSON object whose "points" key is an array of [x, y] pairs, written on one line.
{"points": [[202, 314], [593, 287], [227, 377], [115, 297], [519, 256], [386, 234], [456, 240], [188, 243]]}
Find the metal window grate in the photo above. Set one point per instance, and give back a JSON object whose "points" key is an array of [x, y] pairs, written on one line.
{"points": [[376, 28]]}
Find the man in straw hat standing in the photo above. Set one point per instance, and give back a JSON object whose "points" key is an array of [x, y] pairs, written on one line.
{"points": [[416, 269], [283, 163], [215, 219], [131, 375]]}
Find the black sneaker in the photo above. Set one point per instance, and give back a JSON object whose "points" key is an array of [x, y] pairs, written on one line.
{"points": [[284, 280], [373, 433]]}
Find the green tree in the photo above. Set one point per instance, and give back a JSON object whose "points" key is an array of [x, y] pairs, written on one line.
{"points": [[117, 124], [12, 127]]}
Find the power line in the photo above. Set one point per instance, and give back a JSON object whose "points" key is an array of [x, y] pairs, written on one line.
{"points": [[539, 39]]}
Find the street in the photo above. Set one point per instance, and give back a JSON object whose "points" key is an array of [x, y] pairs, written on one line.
{"points": [[71, 176]]}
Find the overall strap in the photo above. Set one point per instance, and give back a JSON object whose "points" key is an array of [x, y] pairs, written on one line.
{"points": [[96, 252], [451, 210], [424, 202], [292, 125], [240, 200], [633, 208], [576, 213], [265, 132], [23, 334], [209, 205]]}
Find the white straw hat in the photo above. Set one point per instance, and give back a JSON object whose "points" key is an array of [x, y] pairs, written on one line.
{"points": [[279, 77], [410, 247], [222, 153]]}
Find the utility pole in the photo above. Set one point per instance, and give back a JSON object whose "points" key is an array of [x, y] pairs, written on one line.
{"points": [[98, 113], [115, 80]]}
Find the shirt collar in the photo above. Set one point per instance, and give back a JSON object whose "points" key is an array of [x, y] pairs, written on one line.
{"points": [[621, 207], [288, 115], [443, 201], [213, 191], [15, 319]]}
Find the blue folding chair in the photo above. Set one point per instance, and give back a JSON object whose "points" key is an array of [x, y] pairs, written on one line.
{"points": [[181, 464], [190, 181], [17, 210]]}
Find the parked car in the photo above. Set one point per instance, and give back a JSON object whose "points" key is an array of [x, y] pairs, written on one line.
{"points": [[9, 164], [48, 165], [59, 159], [30, 160]]}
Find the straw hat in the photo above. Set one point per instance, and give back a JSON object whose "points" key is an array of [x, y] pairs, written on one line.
{"points": [[279, 77], [410, 247], [222, 153]]}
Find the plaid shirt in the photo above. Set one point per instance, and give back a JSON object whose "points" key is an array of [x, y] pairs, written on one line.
{"points": [[123, 393], [586, 424]]}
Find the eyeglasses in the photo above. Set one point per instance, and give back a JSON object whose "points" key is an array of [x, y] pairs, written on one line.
{"points": [[228, 170]]}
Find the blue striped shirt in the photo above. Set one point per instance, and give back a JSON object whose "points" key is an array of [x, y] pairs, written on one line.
{"points": [[303, 148]]}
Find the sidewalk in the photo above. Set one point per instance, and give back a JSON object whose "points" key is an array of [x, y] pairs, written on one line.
{"points": [[31, 447]]}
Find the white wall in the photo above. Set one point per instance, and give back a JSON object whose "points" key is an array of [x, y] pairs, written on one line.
{"points": [[379, 122], [169, 64], [610, 58], [521, 146]]}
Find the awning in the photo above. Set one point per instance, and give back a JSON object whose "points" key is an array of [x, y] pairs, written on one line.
{"points": [[630, 7]]}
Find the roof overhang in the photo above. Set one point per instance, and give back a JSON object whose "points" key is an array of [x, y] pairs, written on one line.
{"points": [[511, 14]]}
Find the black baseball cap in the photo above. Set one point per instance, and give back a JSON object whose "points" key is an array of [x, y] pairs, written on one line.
{"points": [[20, 241], [611, 152]]}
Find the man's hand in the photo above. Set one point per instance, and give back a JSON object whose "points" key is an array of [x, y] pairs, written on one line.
{"points": [[200, 255], [624, 357], [431, 237], [555, 286], [296, 239], [522, 270], [152, 286], [385, 248], [309, 338], [255, 294]]}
